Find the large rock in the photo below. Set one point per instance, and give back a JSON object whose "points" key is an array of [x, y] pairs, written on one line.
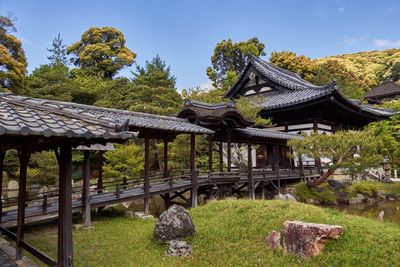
{"points": [[338, 184], [357, 199], [178, 248], [174, 223], [287, 197], [273, 240], [307, 239]]}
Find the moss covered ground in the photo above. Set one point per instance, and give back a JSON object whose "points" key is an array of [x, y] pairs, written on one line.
{"points": [[231, 233]]}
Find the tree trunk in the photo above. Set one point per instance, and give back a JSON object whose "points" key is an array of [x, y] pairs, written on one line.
{"points": [[321, 179]]}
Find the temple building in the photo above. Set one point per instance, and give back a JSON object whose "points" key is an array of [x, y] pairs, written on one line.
{"points": [[295, 105], [385, 91]]}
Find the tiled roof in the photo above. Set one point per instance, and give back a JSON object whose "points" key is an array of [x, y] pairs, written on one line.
{"points": [[267, 133], [384, 89], [20, 118], [113, 117]]}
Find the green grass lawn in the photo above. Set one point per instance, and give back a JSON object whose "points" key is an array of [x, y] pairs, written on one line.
{"points": [[231, 233]]}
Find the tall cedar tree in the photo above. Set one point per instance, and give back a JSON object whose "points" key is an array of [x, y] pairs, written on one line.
{"points": [[12, 57]]}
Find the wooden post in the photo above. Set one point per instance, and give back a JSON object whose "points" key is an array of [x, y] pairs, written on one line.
{"points": [[193, 171], [100, 177], [250, 170], [301, 166], [65, 258], [165, 170], [146, 178], [23, 166], [228, 150], [2, 156], [277, 168], [86, 216], [210, 153], [221, 157]]}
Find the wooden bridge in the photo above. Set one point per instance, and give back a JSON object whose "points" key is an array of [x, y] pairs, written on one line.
{"points": [[44, 205]]}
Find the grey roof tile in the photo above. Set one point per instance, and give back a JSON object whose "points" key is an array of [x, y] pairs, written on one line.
{"points": [[268, 133]]}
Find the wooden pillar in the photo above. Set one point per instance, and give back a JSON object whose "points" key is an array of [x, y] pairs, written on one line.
{"points": [[86, 216], [23, 166], [100, 177], [250, 170], [193, 170], [276, 164], [210, 153], [146, 178], [228, 149], [2, 156], [221, 157], [65, 258], [166, 174]]}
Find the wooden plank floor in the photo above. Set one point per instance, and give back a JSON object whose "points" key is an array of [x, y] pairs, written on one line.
{"points": [[36, 213]]}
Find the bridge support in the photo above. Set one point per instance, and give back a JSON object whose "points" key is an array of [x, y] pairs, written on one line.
{"points": [[250, 170], [86, 210], [65, 258], [22, 194], [146, 178], [193, 171]]}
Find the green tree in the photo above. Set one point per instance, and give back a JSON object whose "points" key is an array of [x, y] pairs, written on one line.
{"points": [[155, 74], [12, 57], [58, 52], [230, 58], [153, 89], [301, 65], [347, 82], [353, 151], [124, 161], [102, 50], [50, 82]]}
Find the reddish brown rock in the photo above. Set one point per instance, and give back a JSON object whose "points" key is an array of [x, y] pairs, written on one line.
{"points": [[273, 240], [307, 239]]}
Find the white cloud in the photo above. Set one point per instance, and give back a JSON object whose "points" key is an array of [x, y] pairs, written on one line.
{"points": [[206, 86], [386, 43], [341, 9], [351, 40]]}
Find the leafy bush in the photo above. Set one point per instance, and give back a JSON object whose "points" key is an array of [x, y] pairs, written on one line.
{"points": [[365, 188], [322, 194]]}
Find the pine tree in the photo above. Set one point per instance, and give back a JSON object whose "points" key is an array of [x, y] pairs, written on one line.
{"points": [[58, 52]]}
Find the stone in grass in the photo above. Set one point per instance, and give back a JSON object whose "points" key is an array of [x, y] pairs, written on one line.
{"points": [[178, 248], [174, 223], [273, 240], [307, 239]]}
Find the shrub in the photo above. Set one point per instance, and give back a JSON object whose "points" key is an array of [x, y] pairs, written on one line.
{"points": [[322, 193], [369, 189]]}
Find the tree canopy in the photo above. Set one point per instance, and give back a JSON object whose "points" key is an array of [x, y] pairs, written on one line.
{"points": [[103, 50], [353, 151], [230, 58], [12, 57]]}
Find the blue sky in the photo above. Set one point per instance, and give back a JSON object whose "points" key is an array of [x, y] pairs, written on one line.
{"points": [[184, 32]]}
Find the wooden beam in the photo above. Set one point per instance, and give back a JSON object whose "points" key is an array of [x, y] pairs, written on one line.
{"points": [[193, 171], [146, 178], [65, 251], [2, 156], [165, 170], [100, 156], [221, 157], [228, 149], [250, 170], [86, 216], [22, 194], [210, 153]]}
